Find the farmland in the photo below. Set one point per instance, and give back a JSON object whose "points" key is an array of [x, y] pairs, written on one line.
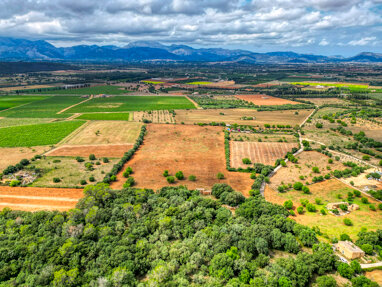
{"points": [[105, 116], [105, 132], [11, 122], [199, 83], [35, 135], [96, 90], [132, 103], [194, 150], [162, 116], [106, 150], [12, 155], [45, 108], [264, 137], [264, 100], [7, 102], [258, 152], [232, 116]]}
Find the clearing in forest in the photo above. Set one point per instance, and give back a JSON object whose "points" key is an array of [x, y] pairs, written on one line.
{"points": [[194, 150], [258, 152], [265, 100]]}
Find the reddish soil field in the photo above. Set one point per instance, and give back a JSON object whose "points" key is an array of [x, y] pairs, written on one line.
{"points": [[35, 199], [258, 152], [264, 100], [192, 149], [85, 150]]}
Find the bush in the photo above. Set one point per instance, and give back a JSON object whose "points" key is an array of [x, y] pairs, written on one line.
{"points": [[298, 185], [288, 204], [127, 172], [92, 179], [219, 188], [253, 175], [232, 198], [364, 200], [343, 207], [368, 248], [372, 207], [380, 206], [179, 175], [335, 211], [305, 189], [304, 202], [323, 211], [300, 210], [129, 182], [14, 182], [366, 157], [348, 222], [170, 179], [220, 175], [357, 193], [105, 160], [326, 281], [92, 157], [318, 201], [330, 160], [283, 163], [310, 207], [83, 182], [79, 159], [315, 169], [56, 180], [319, 125], [281, 188], [192, 177], [246, 161], [345, 270], [165, 173]]}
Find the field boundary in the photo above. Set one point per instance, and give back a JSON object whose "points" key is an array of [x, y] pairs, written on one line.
{"points": [[74, 133], [67, 108]]}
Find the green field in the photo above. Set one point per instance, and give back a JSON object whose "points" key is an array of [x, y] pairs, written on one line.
{"points": [[199, 83], [337, 85], [152, 82], [105, 116], [12, 122], [35, 135], [132, 103], [111, 90], [47, 108], [7, 102]]}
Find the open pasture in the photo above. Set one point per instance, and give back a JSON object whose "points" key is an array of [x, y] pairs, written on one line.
{"points": [[105, 116], [194, 150], [13, 155], [108, 150], [232, 116], [105, 132], [37, 135], [329, 192], [132, 103], [264, 100], [162, 116], [7, 102], [45, 108], [96, 90], [36, 199], [258, 152]]}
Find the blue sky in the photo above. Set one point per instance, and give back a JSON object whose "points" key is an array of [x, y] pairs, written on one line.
{"points": [[328, 27]]}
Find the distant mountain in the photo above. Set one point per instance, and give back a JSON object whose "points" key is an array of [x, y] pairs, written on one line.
{"points": [[12, 49]]}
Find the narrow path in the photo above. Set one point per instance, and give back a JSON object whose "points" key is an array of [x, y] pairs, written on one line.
{"points": [[371, 265], [67, 108], [195, 103], [72, 117], [308, 116]]}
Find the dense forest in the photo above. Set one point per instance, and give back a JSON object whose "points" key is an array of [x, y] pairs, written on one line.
{"points": [[174, 237]]}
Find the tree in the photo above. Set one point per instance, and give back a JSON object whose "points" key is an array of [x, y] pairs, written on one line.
{"points": [[170, 179], [288, 204], [311, 207], [165, 173], [246, 161], [345, 270], [298, 185], [368, 248], [92, 157], [326, 281], [300, 210], [356, 267], [219, 188], [285, 282], [319, 125], [179, 175], [305, 190], [221, 266], [315, 169], [348, 222], [363, 281], [220, 175], [192, 177]]}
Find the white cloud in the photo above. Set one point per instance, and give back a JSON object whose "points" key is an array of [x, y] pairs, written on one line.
{"points": [[323, 42], [362, 42]]}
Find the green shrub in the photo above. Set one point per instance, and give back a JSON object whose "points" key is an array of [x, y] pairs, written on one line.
{"points": [[192, 177], [298, 185], [368, 248], [372, 207], [364, 200], [83, 182], [310, 207], [220, 175], [326, 281], [318, 201], [305, 189], [56, 180], [323, 211], [14, 182], [92, 179], [246, 161], [92, 157], [165, 173], [129, 182], [348, 222], [79, 159], [357, 193], [300, 210], [179, 175], [56, 161], [288, 204], [170, 179], [253, 175], [315, 169], [105, 160], [127, 172], [304, 202]]}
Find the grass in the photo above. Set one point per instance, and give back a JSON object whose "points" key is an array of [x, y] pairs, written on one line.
{"points": [[7, 102], [152, 82], [111, 90], [12, 122], [36, 135], [105, 116], [337, 85], [199, 83], [46, 108], [132, 103], [69, 171]]}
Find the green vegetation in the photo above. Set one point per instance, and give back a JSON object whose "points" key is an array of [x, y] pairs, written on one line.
{"points": [[132, 103], [199, 83], [96, 90], [35, 135], [7, 102], [105, 116], [152, 82]]}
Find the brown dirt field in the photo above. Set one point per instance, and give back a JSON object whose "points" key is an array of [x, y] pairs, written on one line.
{"points": [[194, 150], [110, 132], [161, 116], [258, 152], [12, 155], [232, 116], [34, 199], [274, 137], [8, 89], [265, 100], [375, 275], [85, 150], [306, 161]]}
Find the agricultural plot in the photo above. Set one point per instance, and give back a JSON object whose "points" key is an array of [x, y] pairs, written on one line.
{"points": [[132, 103], [152, 82], [333, 84], [20, 88], [36, 199], [232, 116], [7, 102], [330, 191], [37, 135], [194, 150], [13, 155], [46, 108], [105, 132], [258, 152], [265, 100], [200, 83], [12, 122], [264, 137], [108, 150], [306, 161], [70, 172], [326, 101], [105, 116], [162, 116], [96, 90]]}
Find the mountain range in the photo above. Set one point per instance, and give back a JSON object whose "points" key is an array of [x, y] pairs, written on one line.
{"points": [[13, 49]]}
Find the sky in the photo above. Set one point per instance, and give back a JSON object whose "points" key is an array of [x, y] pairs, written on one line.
{"points": [[326, 27]]}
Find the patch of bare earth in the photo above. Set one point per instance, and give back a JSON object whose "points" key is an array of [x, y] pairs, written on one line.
{"points": [[258, 152], [35, 199], [112, 150], [12, 155], [194, 150], [265, 100]]}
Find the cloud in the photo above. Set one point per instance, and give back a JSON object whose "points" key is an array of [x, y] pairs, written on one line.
{"points": [[239, 23]]}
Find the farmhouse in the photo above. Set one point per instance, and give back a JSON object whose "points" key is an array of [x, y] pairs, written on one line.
{"points": [[349, 250]]}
